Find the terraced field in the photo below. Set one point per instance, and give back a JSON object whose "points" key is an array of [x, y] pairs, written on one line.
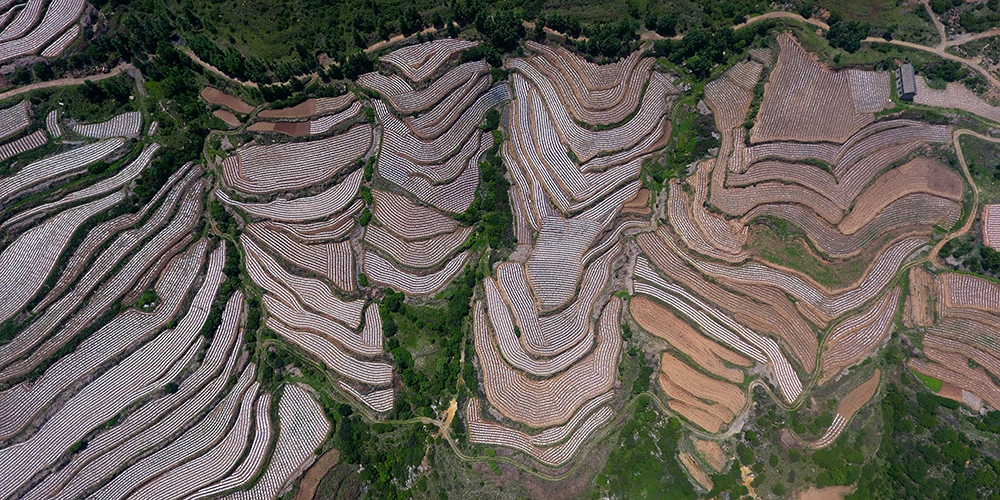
{"points": [[126, 371]]}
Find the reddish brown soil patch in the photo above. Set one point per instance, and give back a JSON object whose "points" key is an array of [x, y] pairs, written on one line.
{"points": [[304, 110], [218, 97], [951, 391], [315, 474], [639, 204], [829, 493], [711, 452], [227, 117], [295, 129], [859, 396]]}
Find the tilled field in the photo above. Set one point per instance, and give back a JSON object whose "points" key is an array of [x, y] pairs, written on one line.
{"points": [[140, 309]]}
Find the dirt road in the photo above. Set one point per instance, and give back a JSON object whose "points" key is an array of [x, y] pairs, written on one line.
{"points": [[956, 136], [66, 81]]}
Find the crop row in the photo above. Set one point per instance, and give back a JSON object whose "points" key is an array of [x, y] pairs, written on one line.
{"points": [[366, 372], [454, 197], [326, 123], [22, 402], [552, 455], [858, 335], [957, 96], [421, 254], [806, 102], [919, 209], [335, 228], [761, 308], [206, 381], [681, 219], [306, 208], [310, 107], [124, 176], [56, 165], [333, 260], [56, 48], [139, 374], [193, 442], [550, 401], [440, 118], [398, 138], [253, 461], [380, 400], [14, 119], [295, 165], [963, 290], [58, 16], [180, 226], [407, 219], [418, 61], [587, 143], [551, 334], [991, 226], [607, 105], [124, 125], [513, 352], [382, 271], [101, 233], [291, 288], [788, 380], [827, 305], [27, 262]]}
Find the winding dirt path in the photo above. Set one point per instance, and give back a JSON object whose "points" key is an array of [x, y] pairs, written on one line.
{"points": [[937, 24], [218, 72], [956, 136], [66, 81], [968, 38], [940, 51], [780, 14]]}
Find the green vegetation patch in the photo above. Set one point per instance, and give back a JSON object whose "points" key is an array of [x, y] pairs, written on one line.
{"points": [[783, 245], [645, 464], [931, 382], [983, 160]]}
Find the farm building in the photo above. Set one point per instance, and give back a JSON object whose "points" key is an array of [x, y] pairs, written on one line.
{"points": [[991, 226], [906, 82]]}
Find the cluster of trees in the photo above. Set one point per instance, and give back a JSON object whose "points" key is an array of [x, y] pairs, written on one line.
{"points": [[700, 49], [646, 465], [388, 455], [981, 24], [611, 40], [980, 19], [949, 71], [803, 424], [941, 6], [973, 256], [693, 138], [231, 61], [570, 25], [439, 376], [846, 35], [490, 211], [925, 454], [665, 25], [503, 28], [232, 271]]}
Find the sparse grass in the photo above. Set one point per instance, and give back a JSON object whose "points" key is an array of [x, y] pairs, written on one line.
{"points": [[904, 20], [792, 252], [931, 382], [983, 159]]}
